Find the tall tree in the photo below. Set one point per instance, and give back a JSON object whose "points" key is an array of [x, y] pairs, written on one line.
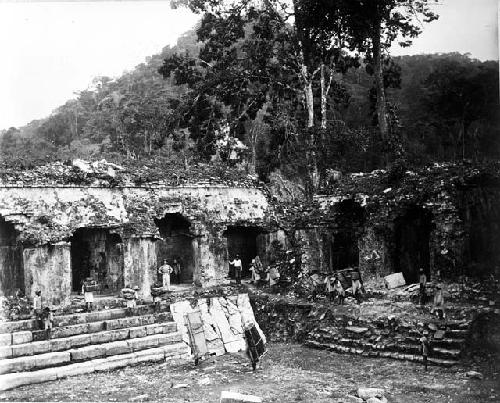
{"points": [[375, 25]]}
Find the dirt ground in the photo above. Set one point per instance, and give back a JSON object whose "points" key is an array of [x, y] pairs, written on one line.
{"points": [[289, 373]]}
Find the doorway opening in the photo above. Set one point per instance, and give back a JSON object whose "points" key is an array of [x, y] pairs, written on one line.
{"points": [[412, 235], [176, 246], [97, 253], [242, 241], [11, 260]]}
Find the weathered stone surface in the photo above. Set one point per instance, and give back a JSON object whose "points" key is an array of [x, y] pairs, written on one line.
{"points": [[59, 344], [87, 353], [439, 335], [120, 334], [80, 340], [69, 331], [474, 375], [75, 369], [5, 352], [234, 397], [5, 339], [366, 393], [40, 347], [117, 347], [22, 337], [51, 359], [394, 280], [101, 337], [137, 332], [143, 343], [376, 400], [95, 327], [352, 399], [22, 350]]}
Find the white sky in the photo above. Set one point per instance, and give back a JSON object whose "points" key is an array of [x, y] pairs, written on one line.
{"points": [[51, 49]]}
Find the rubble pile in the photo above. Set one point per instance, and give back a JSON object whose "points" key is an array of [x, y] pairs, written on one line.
{"points": [[108, 174]]}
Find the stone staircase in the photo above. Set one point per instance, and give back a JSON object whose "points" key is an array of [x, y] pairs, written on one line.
{"points": [[86, 342], [377, 339]]}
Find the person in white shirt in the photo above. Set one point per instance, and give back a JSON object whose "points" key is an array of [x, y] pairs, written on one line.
{"points": [[237, 268], [165, 270]]}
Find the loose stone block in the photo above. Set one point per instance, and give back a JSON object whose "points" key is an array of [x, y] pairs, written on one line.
{"points": [[233, 397], [22, 337], [366, 393], [394, 280]]}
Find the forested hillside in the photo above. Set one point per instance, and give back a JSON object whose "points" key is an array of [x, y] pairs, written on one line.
{"points": [[233, 100]]}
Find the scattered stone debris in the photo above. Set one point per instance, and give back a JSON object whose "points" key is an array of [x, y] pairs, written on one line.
{"points": [[474, 375]]}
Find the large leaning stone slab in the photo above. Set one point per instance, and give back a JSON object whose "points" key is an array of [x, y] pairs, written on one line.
{"points": [[22, 337], [394, 280]]}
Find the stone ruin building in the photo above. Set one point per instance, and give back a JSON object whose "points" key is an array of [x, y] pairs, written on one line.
{"points": [[53, 233]]}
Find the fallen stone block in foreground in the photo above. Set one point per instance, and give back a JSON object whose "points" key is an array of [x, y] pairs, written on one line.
{"points": [[233, 397], [394, 280], [367, 393]]}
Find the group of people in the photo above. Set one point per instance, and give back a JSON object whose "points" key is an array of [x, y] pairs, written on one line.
{"points": [[335, 290], [438, 308], [260, 274]]}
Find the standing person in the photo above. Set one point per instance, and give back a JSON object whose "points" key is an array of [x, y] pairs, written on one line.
{"points": [[423, 285], [329, 288], [88, 293], [439, 302], [424, 340], [48, 319], [165, 271], [357, 283], [176, 278], [37, 307], [255, 272], [237, 269], [339, 290], [156, 294], [315, 281], [274, 276]]}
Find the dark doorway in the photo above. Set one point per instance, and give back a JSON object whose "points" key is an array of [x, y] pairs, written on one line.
{"points": [[344, 250], [242, 241], [176, 245], [11, 260], [349, 220], [97, 253], [412, 235]]}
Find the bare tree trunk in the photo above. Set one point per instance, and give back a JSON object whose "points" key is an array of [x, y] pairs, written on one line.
{"points": [[323, 96], [379, 84]]}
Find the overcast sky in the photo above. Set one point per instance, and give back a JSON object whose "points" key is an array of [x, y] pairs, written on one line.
{"points": [[49, 50]]}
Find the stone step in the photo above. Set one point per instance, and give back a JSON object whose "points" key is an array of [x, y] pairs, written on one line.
{"points": [[39, 361], [66, 328], [336, 347], [61, 344], [157, 354], [77, 318], [392, 347]]}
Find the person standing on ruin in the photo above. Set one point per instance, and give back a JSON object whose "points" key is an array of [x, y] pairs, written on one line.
{"points": [[423, 285], [88, 287], [176, 265], [357, 284], [37, 307], [338, 290], [237, 268], [424, 340], [165, 271], [439, 302]]}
